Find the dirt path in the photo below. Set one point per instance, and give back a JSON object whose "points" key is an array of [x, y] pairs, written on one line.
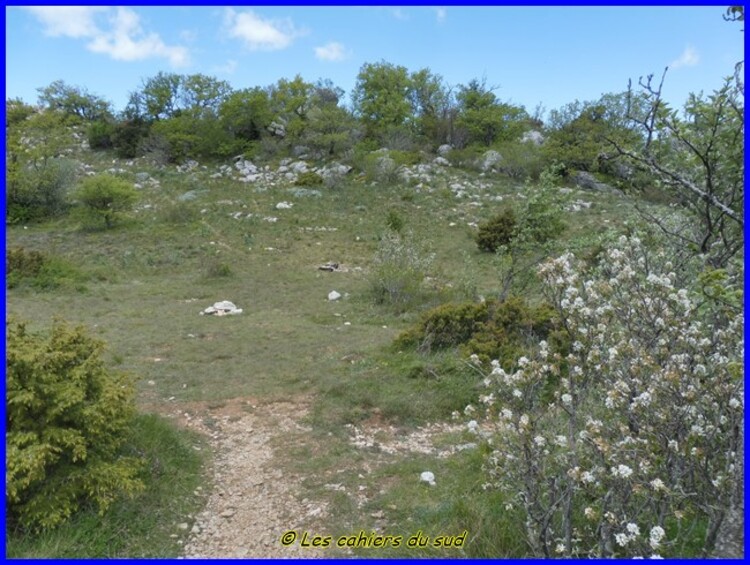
{"points": [[253, 501]]}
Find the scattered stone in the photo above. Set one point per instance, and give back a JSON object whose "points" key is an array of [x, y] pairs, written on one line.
{"points": [[142, 177], [228, 513], [334, 170], [298, 167], [304, 192], [183, 526], [300, 150], [188, 166], [277, 128], [490, 160], [333, 295], [427, 477], [442, 161], [385, 166], [330, 267], [587, 181], [190, 195], [284, 205], [223, 308], [532, 136], [444, 149]]}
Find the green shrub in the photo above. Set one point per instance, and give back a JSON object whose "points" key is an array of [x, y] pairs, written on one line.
{"points": [[218, 269], [179, 214], [497, 231], [308, 178], [100, 135], [399, 269], [447, 325], [466, 157], [491, 330], [39, 192], [520, 160], [105, 196], [22, 263], [37, 269], [395, 221], [67, 417], [127, 137]]}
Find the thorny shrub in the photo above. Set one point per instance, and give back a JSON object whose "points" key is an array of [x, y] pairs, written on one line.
{"points": [[638, 447]]}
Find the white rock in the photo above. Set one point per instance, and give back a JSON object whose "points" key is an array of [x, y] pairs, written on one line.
{"points": [[333, 295], [427, 477], [284, 205], [299, 167]]}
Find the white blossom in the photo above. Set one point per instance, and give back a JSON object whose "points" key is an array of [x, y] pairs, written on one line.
{"points": [[622, 471], [655, 536], [622, 539], [657, 484]]}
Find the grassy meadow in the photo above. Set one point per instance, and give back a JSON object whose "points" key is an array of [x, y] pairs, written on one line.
{"points": [[141, 285]]}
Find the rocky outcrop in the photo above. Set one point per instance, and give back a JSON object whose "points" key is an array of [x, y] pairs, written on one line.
{"points": [[587, 181]]}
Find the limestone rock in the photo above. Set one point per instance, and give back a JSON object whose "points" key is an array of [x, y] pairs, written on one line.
{"points": [[427, 477], [444, 149], [222, 308], [532, 136], [587, 181], [490, 160]]}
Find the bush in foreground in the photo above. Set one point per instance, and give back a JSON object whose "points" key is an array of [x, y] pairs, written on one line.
{"points": [[67, 417], [640, 450]]}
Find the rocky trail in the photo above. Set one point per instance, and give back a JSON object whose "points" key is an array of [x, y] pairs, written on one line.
{"points": [[253, 501]]}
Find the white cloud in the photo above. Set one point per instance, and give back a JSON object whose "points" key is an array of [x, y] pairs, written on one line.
{"points": [[67, 21], [689, 58], [127, 41], [441, 14], [121, 37], [260, 34], [332, 51]]}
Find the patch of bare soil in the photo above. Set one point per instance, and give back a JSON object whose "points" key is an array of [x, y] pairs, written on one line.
{"points": [[254, 501]]}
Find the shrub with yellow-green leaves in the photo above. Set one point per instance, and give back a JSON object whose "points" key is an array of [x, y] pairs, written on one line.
{"points": [[67, 417]]}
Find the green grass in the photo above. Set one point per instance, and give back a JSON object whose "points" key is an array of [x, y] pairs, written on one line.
{"points": [[139, 527], [147, 279]]}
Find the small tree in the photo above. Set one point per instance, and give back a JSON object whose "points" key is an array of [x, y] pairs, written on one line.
{"points": [[497, 231], [67, 416], [74, 101], [105, 196], [699, 157], [37, 178]]}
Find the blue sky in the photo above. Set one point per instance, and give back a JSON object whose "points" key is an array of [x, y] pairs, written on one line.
{"points": [[547, 55]]}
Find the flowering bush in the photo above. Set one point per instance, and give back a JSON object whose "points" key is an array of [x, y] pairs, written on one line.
{"points": [[639, 443]]}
